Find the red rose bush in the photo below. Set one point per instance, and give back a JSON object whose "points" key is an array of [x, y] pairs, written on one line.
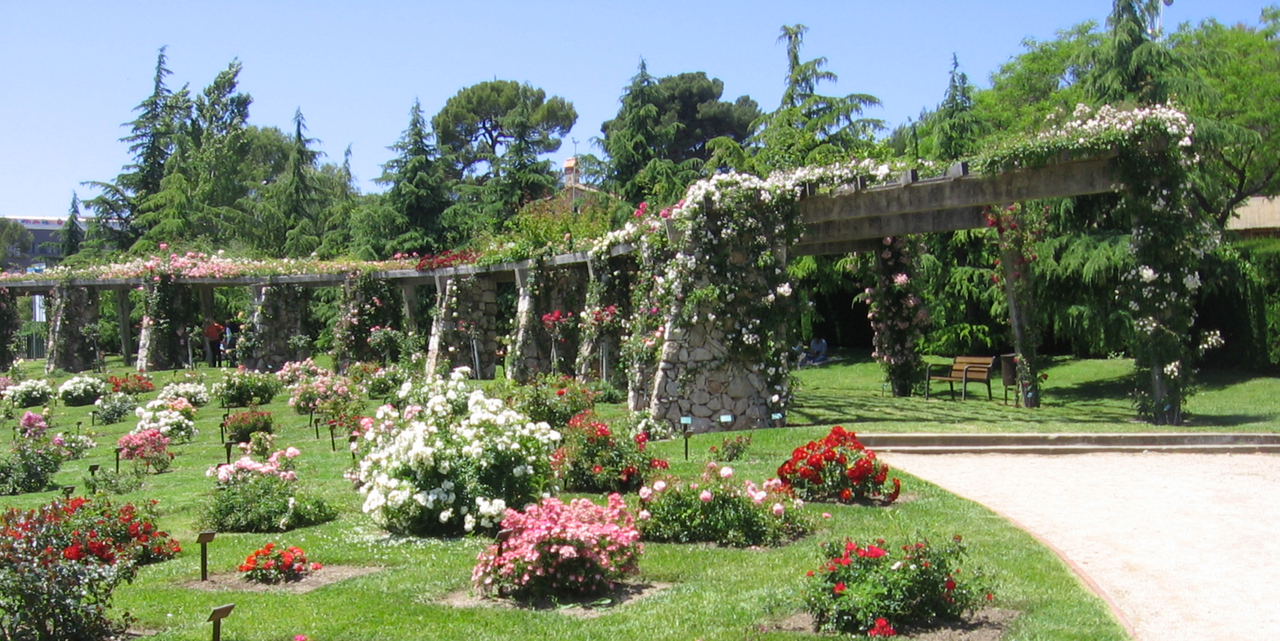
{"points": [[838, 467]]}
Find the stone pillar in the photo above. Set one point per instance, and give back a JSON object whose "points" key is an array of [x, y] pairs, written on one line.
{"points": [[464, 332], [524, 348], [166, 308], [697, 378], [279, 312], [72, 310]]}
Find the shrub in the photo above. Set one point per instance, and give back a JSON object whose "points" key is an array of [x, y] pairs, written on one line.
{"points": [[860, 588], [322, 393], [720, 510], [257, 496], [602, 392], [552, 399], [131, 384], [72, 447], [29, 393], [452, 461], [242, 388], [81, 390], [108, 482], [379, 382], [149, 447], [592, 459], [58, 575], [387, 343], [295, 372], [113, 407], [241, 425], [837, 468], [32, 425], [731, 448], [195, 393], [174, 419], [29, 467], [556, 549], [271, 564]]}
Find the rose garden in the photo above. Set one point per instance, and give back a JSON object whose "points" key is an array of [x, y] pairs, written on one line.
{"points": [[614, 441]]}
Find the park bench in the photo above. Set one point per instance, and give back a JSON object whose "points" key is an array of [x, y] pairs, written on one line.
{"points": [[964, 370]]}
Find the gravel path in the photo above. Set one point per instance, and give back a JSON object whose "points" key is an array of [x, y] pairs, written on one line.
{"points": [[1186, 546]]}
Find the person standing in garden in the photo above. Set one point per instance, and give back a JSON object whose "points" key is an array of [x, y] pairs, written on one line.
{"points": [[213, 332]]}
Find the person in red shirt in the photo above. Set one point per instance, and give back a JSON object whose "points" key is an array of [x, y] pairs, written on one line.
{"points": [[213, 331]]}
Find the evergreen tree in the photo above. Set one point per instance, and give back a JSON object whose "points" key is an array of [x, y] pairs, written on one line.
{"points": [[417, 196], [72, 233], [299, 201], [955, 127], [633, 139], [151, 141]]}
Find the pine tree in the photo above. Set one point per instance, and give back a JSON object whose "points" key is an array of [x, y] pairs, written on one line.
{"points": [[417, 194], [72, 232]]}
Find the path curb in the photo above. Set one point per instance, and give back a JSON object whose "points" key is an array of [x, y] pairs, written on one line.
{"points": [[1082, 443]]}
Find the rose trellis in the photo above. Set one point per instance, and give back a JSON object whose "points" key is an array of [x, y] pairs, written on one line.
{"points": [[1169, 239]]}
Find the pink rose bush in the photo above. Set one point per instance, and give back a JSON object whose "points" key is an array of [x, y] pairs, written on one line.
{"points": [[720, 509], [262, 496], [148, 447], [554, 549]]}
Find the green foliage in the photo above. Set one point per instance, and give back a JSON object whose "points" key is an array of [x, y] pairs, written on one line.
{"points": [[551, 398], [241, 388], [253, 502], [29, 467], [416, 199], [113, 407]]}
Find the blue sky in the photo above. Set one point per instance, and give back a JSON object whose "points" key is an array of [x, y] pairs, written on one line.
{"points": [[72, 72]]}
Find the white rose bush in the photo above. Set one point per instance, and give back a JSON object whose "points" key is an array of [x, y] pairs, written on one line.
{"points": [[452, 461]]}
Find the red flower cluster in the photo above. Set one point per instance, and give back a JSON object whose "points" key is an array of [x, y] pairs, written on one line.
{"points": [[881, 629], [837, 467], [447, 259], [554, 320], [131, 384], [89, 531], [271, 564]]}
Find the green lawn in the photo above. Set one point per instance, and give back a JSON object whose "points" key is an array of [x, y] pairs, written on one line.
{"points": [[715, 593], [1079, 396]]}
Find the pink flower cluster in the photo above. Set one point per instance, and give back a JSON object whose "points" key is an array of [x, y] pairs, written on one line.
{"points": [[553, 548], [146, 445], [246, 466], [32, 425]]}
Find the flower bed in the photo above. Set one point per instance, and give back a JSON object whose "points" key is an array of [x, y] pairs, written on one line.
{"points": [[174, 419], [29, 393], [593, 459], [555, 549], [272, 564], [150, 447], [861, 588], [718, 509], [81, 390], [256, 496], [242, 388], [63, 560], [452, 461], [131, 384], [241, 426], [195, 393], [113, 407], [837, 468]]}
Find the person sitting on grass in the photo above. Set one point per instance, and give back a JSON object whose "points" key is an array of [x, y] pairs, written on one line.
{"points": [[817, 353]]}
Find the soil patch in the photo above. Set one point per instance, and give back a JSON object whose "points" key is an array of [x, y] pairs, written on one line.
{"points": [[988, 624], [583, 607], [235, 581]]}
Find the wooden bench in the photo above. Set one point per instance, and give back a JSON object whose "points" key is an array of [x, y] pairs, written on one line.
{"points": [[964, 370]]}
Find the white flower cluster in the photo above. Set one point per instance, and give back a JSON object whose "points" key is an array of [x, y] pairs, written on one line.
{"points": [[85, 389], [29, 393], [1087, 123], [443, 466], [196, 393], [159, 415]]}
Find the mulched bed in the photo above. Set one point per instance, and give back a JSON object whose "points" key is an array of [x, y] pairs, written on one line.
{"points": [[988, 624], [235, 581], [583, 607]]}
